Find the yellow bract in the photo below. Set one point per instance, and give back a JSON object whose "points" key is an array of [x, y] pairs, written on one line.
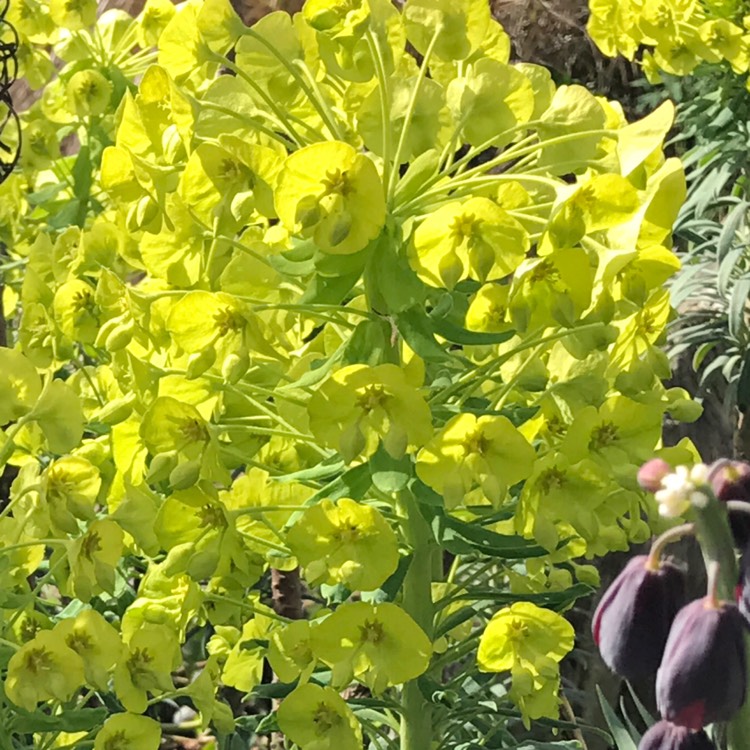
{"points": [[473, 239], [361, 406], [333, 194]]}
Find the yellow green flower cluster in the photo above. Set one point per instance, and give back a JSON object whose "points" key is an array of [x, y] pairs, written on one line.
{"points": [[302, 300], [678, 35]]}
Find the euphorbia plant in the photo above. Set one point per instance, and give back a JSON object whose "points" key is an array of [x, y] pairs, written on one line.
{"points": [[311, 302]]}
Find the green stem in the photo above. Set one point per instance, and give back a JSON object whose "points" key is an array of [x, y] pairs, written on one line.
{"points": [[234, 423], [6, 451], [284, 140], [298, 70], [668, 537], [715, 537], [385, 105], [410, 113], [457, 187], [284, 117], [479, 374], [416, 716], [35, 543], [264, 611], [514, 153]]}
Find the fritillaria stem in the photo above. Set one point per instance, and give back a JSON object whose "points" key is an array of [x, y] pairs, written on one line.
{"points": [[668, 537]]}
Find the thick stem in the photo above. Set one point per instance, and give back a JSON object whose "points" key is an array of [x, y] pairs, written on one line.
{"points": [[715, 537], [717, 545], [286, 594], [416, 711]]}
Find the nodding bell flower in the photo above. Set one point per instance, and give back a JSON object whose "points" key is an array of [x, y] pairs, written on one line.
{"points": [[632, 621], [667, 736], [743, 589], [730, 480], [702, 677]]}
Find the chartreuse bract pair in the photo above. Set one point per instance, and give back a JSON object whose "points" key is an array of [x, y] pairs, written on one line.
{"points": [[345, 292]]}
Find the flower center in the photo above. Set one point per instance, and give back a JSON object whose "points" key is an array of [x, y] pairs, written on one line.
{"points": [[38, 660], [194, 430], [372, 632], [79, 641], [371, 398], [118, 741], [550, 479], [337, 182], [605, 434], [227, 320], [463, 227], [477, 442], [325, 719], [90, 545]]}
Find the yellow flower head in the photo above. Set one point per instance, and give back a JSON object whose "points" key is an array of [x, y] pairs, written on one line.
{"points": [[361, 406]]}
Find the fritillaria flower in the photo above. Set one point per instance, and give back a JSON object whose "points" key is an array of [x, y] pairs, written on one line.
{"points": [[702, 677], [632, 621]]}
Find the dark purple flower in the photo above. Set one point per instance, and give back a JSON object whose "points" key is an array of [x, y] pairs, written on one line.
{"points": [[702, 677], [743, 589], [730, 480], [667, 736], [632, 621]]}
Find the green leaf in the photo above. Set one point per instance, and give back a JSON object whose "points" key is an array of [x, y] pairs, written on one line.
{"points": [[75, 720], [454, 620], [390, 474], [621, 736], [418, 172], [274, 690], [416, 328], [743, 384], [81, 172], [736, 312], [45, 194], [729, 229], [557, 600], [371, 344], [58, 412], [329, 290], [460, 537], [458, 335], [352, 483], [325, 469], [390, 280]]}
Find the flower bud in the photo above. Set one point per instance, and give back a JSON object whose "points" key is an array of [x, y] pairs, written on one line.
{"points": [[632, 621], [702, 677], [235, 366], [162, 464], [185, 475], [199, 362], [651, 474], [667, 736]]}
